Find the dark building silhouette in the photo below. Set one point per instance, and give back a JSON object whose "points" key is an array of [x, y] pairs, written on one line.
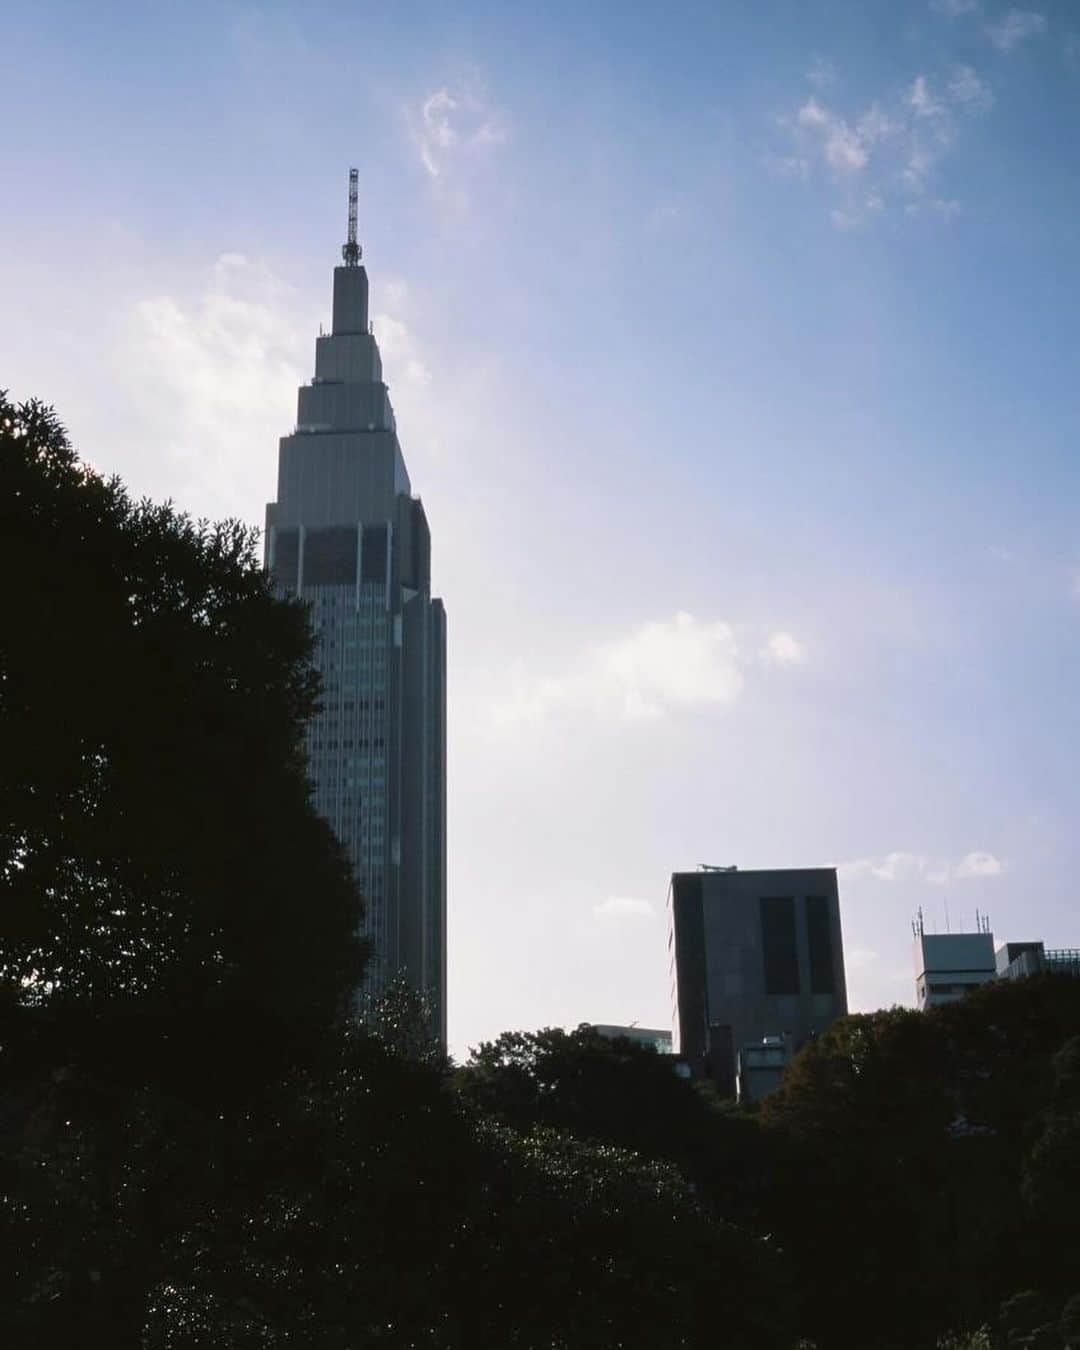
{"points": [[756, 957], [347, 535]]}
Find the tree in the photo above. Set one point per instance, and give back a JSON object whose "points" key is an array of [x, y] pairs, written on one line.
{"points": [[612, 1091], [157, 839], [909, 1142], [403, 1018]]}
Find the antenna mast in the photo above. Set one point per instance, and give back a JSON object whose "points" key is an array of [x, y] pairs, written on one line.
{"points": [[350, 250]]}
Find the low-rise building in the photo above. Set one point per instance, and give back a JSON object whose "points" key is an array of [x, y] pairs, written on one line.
{"points": [[761, 1067], [950, 965], [653, 1037]]}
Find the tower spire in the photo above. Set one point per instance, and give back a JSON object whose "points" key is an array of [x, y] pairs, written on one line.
{"points": [[350, 250]]}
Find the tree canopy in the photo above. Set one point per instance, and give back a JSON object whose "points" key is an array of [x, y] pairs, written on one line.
{"points": [[156, 833]]}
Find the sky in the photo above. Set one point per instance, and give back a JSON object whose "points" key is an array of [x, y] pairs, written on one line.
{"points": [[734, 355]]}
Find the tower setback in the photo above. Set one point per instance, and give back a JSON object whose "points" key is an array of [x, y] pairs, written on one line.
{"points": [[347, 536]]}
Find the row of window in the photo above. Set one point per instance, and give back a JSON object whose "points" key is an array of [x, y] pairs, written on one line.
{"points": [[780, 946], [348, 743]]}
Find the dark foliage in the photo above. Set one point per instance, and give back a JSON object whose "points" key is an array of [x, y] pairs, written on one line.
{"points": [[914, 1170], [197, 1147], [353, 1203], [613, 1091], [929, 1164], [156, 836]]}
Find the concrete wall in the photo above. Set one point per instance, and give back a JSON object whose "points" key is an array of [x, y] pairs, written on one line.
{"points": [[948, 965]]}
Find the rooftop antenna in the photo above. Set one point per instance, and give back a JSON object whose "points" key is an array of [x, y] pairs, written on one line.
{"points": [[350, 250]]}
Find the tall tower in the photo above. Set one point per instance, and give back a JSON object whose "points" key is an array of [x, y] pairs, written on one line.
{"points": [[348, 537]]}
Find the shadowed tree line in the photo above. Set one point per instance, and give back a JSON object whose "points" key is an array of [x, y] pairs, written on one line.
{"points": [[202, 1146]]}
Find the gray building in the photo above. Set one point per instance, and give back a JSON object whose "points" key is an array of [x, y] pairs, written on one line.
{"points": [[760, 1069], [653, 1038], [347, 536], [1015, 960], [950, 965], [755, 955]]}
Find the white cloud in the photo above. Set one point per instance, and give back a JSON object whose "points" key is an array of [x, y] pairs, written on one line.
{"points": [[918, 867], [842, 146], [917, 168], [892, 149], [978, 865], [451, 128], [956, 8], [225, 356], [891, 867], [1016, 27], [924, 103], [624, 907], [225, 359], [782, 649], [661, 667], [968, 91], [399, 350]]}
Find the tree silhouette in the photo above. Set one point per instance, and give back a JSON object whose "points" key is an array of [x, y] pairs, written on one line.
{"points": [[156, 833]]}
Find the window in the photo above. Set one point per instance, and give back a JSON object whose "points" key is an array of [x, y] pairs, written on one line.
{"points": [[819, 944], [778, 944], [286, 557], [330, 557], [373, 553]]}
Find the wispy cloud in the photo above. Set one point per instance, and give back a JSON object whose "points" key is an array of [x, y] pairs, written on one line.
{"points": [[453, 128], [225, 357], [822, 73], [400, 350], [978, 865], [922, 101], [919, 867], [226, 354], [969, 91], [955, 8], [1015, 27], [618, 907], [844, 147], [888, 152], [782, 649], [660, 668]]}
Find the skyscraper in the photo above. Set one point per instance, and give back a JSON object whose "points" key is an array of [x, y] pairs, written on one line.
{"points": [[757, 957], [348, 537]]}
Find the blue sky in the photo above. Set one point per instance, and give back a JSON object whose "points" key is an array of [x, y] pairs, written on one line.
{"points": [[733, 349]]}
